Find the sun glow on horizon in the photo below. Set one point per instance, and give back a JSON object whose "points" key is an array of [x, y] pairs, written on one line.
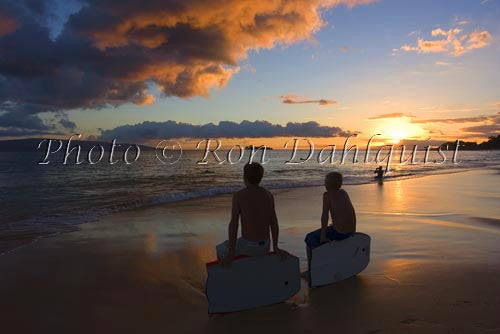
{"points": [[395, 130]]}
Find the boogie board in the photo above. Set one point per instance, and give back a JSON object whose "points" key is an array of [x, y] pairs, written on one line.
{"points": [[251, 282], [339, 259]]}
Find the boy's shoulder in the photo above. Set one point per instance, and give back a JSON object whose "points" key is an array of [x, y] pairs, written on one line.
{"points": [[245, 190], [342, 192], [267, 192], [339, 192], [240, 192]]}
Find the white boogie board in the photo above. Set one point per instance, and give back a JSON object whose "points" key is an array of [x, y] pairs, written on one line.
{"points": [[251, 282], [339, 259]]}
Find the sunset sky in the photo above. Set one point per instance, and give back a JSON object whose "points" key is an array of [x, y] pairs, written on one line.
{"points": [[405, 69]]}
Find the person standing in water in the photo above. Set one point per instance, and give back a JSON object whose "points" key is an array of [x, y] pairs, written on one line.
{"points": [[337, 204], [255, 206], [380, 173]]}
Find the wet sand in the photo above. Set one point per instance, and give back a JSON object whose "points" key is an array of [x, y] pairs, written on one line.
{"points": [[435, 267]]}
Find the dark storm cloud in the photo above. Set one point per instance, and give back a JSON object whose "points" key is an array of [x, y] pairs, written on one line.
{"points": [[64, 122], [17, 132], [27, 121], [108, 52], [225, 129]]}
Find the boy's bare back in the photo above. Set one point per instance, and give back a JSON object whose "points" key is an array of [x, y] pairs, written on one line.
{"points": [[255, 205], [341, 210]]}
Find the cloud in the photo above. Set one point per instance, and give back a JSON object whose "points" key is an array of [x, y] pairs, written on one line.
{"points": [[28, 121], [345, 49], [391, 115], [147, 100], [109, 52], [452, 41], [492, 126], [65, 123], [225, 129], [294, 99], [7, 23], [441, 63], [478, 40], [30, 124], [485, 130], [474, 119], [16, 132], [439, 132]]}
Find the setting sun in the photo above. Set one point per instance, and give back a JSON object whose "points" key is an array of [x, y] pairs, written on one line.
{"points": [[397, 129]]}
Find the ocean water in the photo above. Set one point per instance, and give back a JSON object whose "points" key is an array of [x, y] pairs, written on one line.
{"points": [[40, 200]]}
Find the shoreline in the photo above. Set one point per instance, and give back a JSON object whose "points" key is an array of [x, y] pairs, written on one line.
{"points": [[8, 245]]}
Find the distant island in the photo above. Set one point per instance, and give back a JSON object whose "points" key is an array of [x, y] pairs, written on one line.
{"points": [[493, 143], [31, 144]]}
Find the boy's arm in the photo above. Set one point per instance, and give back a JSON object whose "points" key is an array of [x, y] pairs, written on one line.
{"points": [[324, 217], [233, 228], [275, 230], [349, 204], [353, 215]]}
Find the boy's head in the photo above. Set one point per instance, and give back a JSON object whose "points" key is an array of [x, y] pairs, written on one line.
{"points": [[252, 173], [333, 181]]}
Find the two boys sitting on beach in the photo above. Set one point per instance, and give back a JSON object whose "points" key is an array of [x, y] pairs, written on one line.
{"points": [[255, 206]]}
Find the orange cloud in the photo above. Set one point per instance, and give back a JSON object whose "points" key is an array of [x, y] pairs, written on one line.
{"points": [[146, 100], [233, 28], [442, 63], [455, 42], [478, 40], [7, 24]]}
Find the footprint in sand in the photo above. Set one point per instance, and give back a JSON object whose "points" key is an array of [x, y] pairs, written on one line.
{"points": [[408, 321], [460, 303], [374, 331], [417, 322]]}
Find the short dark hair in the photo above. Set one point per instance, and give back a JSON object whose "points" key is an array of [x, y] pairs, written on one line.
{"points": [[253, 172], [333, 180]]}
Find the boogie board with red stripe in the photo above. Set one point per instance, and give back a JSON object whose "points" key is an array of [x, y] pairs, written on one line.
{"points": [[251, 282]]}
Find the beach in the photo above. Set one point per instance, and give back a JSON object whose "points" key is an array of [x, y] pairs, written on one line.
{"points": [[435, 266]]}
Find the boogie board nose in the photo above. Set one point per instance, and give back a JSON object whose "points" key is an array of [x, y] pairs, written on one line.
{"points": [[339, 259]]}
